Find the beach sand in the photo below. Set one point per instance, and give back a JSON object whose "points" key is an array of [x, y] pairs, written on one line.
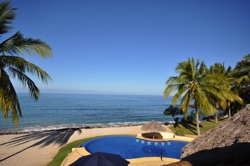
{"points": [[38, 149]]}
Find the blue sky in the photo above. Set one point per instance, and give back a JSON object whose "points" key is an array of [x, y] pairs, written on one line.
{"points": [[130, 46]]}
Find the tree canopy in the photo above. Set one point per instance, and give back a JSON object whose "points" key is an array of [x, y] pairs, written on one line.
{"points": [[195, 83]]}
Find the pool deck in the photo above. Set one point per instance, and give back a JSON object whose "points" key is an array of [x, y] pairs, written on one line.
{"points": [[151, 161], [144, 161]]}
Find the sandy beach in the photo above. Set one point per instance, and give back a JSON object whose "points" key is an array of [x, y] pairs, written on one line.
{"points": [[38, 149]]}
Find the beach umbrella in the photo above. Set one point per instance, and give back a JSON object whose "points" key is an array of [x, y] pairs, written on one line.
{"points": [[153, 126], [101, 159]]}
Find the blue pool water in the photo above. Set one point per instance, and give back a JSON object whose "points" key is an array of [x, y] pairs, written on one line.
{"points": [[130, 147]]}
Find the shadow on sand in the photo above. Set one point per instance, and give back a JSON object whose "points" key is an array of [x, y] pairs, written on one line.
{"points": [[237, 154], [46, 138]]}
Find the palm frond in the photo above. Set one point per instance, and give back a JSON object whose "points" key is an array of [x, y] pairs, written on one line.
{"points": [[8, 98], [26, 81], [184, 104], [171, 86], [203, 103], [7, 15], [24, 66], [17, 45], [181, 67], [178, 94], [246, 58]]}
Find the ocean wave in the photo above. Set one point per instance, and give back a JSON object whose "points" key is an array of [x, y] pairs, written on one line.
{"points": [[58, 112], [37, 129]]}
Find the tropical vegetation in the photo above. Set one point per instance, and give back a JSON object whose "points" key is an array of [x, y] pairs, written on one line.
{"points": [[242, 87], [189, 128], [14, 66], [173, 111], [65, 150], [208, 89]]}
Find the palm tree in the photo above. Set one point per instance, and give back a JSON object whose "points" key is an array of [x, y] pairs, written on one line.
{"points": [[13, 65], [195, 84], [221, 70], [242, 73]]}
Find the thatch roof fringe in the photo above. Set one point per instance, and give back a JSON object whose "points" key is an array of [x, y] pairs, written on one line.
{"points": [[234, 130]]}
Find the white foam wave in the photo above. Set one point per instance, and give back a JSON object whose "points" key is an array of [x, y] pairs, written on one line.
{"points": [[68, 126]]}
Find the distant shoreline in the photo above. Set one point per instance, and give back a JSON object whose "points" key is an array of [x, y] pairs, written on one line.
{"points": [[39, 129], [25, 131]]}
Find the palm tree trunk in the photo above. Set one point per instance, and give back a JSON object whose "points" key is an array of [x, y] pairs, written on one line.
{"points": [[229, 109], [216, 117], [197, 122]]}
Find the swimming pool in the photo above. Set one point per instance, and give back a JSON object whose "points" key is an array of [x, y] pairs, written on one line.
{"points": [[130, 147]]}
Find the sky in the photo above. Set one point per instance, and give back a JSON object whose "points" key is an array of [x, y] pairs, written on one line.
{"points": [[130, 46]]}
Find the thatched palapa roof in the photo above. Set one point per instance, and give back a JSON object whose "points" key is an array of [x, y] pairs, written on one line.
{"points": [[227, 143], [153, 126]]}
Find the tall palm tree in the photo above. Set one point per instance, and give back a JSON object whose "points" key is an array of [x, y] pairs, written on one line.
{"points": [[242, 73], [195, 84], [13, 65], [221, 70]]}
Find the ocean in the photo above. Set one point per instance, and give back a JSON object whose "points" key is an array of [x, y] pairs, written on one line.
{"points": [[55, 111]]}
